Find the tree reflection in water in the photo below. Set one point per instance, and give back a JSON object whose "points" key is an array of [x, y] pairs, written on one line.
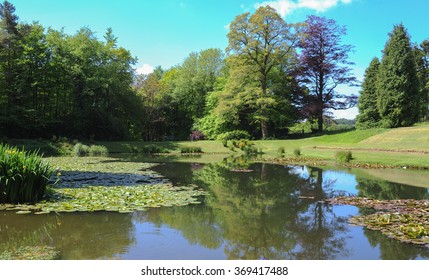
{"points": [[261, 214], [100, 235]]}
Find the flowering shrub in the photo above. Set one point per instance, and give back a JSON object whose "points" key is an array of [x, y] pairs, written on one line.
{"points": [[197, 135], [23, 175]]}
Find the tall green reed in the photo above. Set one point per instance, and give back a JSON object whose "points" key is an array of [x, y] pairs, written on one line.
{"points": [[24, 175]]}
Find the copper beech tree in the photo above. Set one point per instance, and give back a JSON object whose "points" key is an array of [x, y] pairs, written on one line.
{"points": [[324, 65]]}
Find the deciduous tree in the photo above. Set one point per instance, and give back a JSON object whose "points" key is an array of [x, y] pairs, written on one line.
{"points": [[258, 44], [324, 66]]}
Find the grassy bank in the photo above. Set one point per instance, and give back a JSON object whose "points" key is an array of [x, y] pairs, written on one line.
{"points": [[400, 147]]}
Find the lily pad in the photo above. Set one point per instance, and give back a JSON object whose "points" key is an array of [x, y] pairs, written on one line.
{"points": [[23, 212], [406, 220], [108, 196]]}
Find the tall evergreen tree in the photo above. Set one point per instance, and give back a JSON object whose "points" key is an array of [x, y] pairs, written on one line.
{"points": [[398, 86], [368, 113], [421, 55]]}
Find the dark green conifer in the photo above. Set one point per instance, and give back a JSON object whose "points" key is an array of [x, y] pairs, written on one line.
{"points": [[397, 84], [369, 116]]}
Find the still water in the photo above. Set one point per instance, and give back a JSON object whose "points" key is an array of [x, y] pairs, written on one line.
{"points": [[256, 211]]}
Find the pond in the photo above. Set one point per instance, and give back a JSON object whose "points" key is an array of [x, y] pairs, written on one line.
{"points": [[253, 211]]}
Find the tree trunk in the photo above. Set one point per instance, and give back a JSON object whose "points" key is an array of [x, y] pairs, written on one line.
{"points": [[320, 123], [264, 129]]}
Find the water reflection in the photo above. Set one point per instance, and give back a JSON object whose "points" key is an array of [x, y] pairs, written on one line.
{"points": [[387, 190], [100, 235], [254, 211], [274, 212]]}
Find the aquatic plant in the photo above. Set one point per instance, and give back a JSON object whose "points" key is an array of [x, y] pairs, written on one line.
{"points": [[297, 152], [132, 196], [24, 175], [98, 150], [81, 150], [342, 157], [406, 220], [31, 253], [122, 199]]}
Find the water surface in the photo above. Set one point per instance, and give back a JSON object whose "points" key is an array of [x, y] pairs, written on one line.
{"points": [[257, 211]]}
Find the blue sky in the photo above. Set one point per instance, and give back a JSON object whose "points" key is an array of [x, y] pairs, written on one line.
{"points": [[164, 32]]}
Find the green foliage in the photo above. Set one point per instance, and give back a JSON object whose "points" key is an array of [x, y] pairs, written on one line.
{"points": [[191, 150], [369, 116], [52, 83], [281, 151], [152, 149], [24, 175], [397, 82], [81, 150], [234, 135], [342, 157], [253, 94], [252, 150], [297, 152], [421, 56], [225, 143], [98, 150]]}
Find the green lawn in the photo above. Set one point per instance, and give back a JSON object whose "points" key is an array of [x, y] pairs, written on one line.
{"points": [[407, 146]]}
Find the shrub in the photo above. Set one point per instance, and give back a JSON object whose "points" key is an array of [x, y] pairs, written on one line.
{"points": [[225, 143], [231, 146], [343, 157], [234, 135], [153, 149], [297, 152], [191, 150], [24, 175], [281, 151], [196, 135], [250, 150], [80, 150], [98, 150]]}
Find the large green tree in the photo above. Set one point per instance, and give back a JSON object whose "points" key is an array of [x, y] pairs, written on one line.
{"points": [[421, 55], [398, 86], [194, 79], [368, 113], [258, 44]]}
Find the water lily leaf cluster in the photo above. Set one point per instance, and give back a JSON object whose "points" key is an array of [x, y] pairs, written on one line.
{"points": [[31, 253], [118, 199], [106, 184], [100, 164], [406, 220]]}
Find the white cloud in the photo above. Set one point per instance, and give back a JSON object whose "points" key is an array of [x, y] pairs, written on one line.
{"points": [[145, 69], [285, 7], [346, 114]]}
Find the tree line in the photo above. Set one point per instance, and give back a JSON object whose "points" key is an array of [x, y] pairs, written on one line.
{"points": [[272, 75], [395, 90]]}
